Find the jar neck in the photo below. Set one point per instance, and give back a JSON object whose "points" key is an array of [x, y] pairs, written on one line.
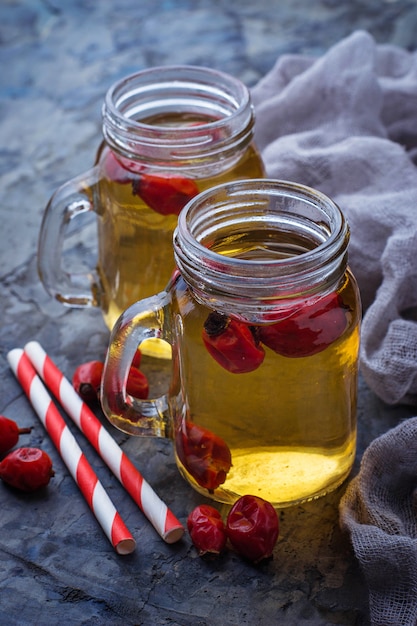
{"points": [[179, 116], [251, 248]]}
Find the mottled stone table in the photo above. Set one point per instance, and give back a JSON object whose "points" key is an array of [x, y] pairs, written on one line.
{"points": [[56, 565]]}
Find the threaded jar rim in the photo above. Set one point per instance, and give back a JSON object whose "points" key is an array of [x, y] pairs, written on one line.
{"points": [[257, 204], [177, 88]]}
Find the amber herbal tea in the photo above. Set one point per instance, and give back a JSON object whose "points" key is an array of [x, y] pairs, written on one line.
{"points": [[140, 213], [285, 429]]}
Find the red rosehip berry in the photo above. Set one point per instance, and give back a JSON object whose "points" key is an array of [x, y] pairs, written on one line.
{"points": [[10, 433], [252, 527], [207, 530], [27, 469]]}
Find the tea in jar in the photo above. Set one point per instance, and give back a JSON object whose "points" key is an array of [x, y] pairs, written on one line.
{"points": [[263, 319], [169, 133]]}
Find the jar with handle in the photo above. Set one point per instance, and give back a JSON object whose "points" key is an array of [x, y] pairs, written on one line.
{"points": [[262, 317], [168, 134]]}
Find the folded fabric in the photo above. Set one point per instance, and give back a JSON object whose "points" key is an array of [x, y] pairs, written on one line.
{"points": [[378, 509], [346, 124]]}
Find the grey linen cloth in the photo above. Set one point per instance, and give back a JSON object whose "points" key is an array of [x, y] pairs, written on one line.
{"points": [[346, 124], [379, 509]]}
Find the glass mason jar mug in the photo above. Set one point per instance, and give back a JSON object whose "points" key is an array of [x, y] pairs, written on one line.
{"points": [[169, 133], [263, 319]]}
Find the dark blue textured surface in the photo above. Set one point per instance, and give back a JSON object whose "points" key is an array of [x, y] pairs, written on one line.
{"points": [[57, 61]]}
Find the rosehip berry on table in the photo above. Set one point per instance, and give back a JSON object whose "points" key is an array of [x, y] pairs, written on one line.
{"points": [[10, 433], [27, 469], [252, 527], [87, 380], [207, 530]]}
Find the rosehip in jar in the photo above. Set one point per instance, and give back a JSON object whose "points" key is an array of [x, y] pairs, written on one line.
{"points": [[232, 344], [309, 330], [204, 455]]}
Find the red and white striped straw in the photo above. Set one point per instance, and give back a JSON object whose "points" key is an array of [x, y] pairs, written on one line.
{"points": [[73, 457], [157, 512]]}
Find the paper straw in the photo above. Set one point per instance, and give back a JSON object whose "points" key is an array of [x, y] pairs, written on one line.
{"points": [[156, 511], [73, 457]]}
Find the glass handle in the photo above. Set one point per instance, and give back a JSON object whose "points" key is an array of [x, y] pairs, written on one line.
{"points": [[72, 199], [144, 320]]}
